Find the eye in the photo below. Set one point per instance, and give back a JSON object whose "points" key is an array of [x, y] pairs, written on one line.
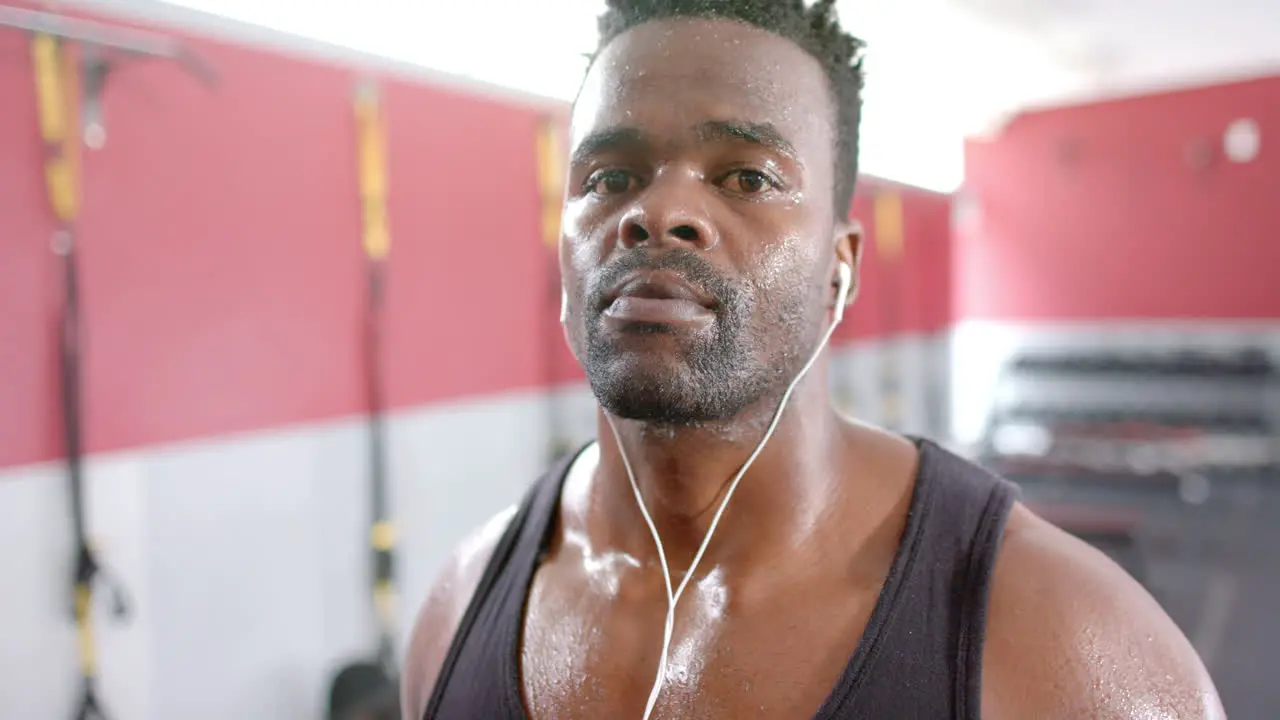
{"points": [[749, 182], [609, 182]]}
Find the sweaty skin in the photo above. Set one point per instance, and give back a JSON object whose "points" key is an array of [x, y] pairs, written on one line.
{"points": [[781, 598]]}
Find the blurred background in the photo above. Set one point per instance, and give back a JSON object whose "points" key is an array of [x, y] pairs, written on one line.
{"points": [[1071, 278]]}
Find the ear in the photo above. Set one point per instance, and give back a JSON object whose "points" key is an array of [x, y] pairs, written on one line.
{"points": [[848, 247]]}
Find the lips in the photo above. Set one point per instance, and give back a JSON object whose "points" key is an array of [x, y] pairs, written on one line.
{"points": [[659, 285], [658, 298]]}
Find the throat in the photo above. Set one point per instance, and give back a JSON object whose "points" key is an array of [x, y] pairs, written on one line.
{"points": [[683, 494]]}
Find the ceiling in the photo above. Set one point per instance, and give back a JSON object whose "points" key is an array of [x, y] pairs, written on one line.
{"points": [[938, 70], [1138, 45]]}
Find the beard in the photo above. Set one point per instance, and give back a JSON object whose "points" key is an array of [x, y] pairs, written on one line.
{"points": [[675, 377]]}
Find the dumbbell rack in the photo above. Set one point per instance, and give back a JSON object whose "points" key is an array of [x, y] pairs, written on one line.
{"points": [[1168, 462], [1183, 418]]}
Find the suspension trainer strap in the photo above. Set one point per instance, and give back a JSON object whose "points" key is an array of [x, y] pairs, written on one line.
{"points": [[56, 102], [551, 171], [372, 171], [64, 107]]}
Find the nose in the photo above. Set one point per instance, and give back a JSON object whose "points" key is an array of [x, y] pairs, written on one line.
{"points": [[669, 211]]}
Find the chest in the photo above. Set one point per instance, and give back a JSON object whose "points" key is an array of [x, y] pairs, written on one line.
{"points": [[591, 648]]}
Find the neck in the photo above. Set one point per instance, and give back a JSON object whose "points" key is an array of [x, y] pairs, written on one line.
{"points": [[683, 475]]}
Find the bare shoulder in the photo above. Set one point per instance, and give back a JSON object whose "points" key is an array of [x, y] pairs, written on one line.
{"points": [[1071, 635], [443, 609]]}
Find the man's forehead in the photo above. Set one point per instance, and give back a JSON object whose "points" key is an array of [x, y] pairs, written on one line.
{"points": [[684, 73]]}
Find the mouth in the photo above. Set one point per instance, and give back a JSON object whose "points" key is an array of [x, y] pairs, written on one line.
{"points": [[659, 285], [658, 298]]}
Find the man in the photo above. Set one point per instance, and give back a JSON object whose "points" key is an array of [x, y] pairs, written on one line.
{"points": [[855, 574]]}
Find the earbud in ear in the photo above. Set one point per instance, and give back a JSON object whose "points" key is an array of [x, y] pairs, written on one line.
{"points": [[564, 305], [845, 280]]}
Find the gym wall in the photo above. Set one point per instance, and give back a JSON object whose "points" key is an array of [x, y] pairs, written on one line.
{"points": [[1120, 223], [223, 290]]}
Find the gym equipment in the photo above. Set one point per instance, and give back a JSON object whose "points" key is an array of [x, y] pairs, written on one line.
{"points": [[1057, 418], [1165, 461], [363, 691], [371, 689], [95, 38], [1248, 363], [54, 82], [551, 172], [59, 96], [1219, 393]]}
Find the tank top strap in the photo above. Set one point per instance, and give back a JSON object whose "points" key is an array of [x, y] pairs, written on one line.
{"points": [[496, 611], [925, 658], [984, 510]]}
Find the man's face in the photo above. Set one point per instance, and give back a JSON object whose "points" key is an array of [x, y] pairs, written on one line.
{"points": [[699, 233]]}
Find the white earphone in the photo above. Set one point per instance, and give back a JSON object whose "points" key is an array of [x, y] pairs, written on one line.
{"points": [[844, 285], [845, 273]]}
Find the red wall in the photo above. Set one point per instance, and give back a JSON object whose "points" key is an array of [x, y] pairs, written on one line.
{"points": [[221, 264], [917, 284], [1094, 212]]}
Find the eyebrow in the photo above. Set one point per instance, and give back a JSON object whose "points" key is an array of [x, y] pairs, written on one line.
{"points": [[762, 134], [623, 138], [609, 139]]}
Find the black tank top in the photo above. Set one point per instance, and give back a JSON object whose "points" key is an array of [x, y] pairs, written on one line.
{"points": [[919, 657]]}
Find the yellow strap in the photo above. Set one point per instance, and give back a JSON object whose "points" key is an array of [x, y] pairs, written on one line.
{"points": [[84, 631], [551, 171], [385, 602], [383, 536], [55, 83], [889, 227], [371, 146]]}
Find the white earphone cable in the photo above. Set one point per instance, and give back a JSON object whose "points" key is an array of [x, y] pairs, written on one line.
{"points": [[674, 597]]}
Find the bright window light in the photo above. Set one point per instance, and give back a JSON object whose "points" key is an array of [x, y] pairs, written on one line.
{"points": [[935, 73]]}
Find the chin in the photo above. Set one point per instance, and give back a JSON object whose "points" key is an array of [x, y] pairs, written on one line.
{"points": [[647, 355], [651, 373], [645, 386], [665, 389], [652, 410], [671, 375]]}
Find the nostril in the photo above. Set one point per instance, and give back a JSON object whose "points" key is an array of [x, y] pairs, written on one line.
{"points": [[636, 233], [685, 232]]}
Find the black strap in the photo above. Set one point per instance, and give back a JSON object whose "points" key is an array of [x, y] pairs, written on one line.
{"points": [[382, 548], [557, 444], [56, 86], [371, 153], [973, 614], [50, 65], [89, 709], [377, 424], [497, 563], [69, 357], [88, 572]]}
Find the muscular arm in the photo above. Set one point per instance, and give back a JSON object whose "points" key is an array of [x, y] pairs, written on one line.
{"points": [[443, 609], [1071, 635]]}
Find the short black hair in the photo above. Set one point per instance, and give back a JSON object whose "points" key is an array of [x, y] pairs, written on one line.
{"points": [[815, 29]]}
